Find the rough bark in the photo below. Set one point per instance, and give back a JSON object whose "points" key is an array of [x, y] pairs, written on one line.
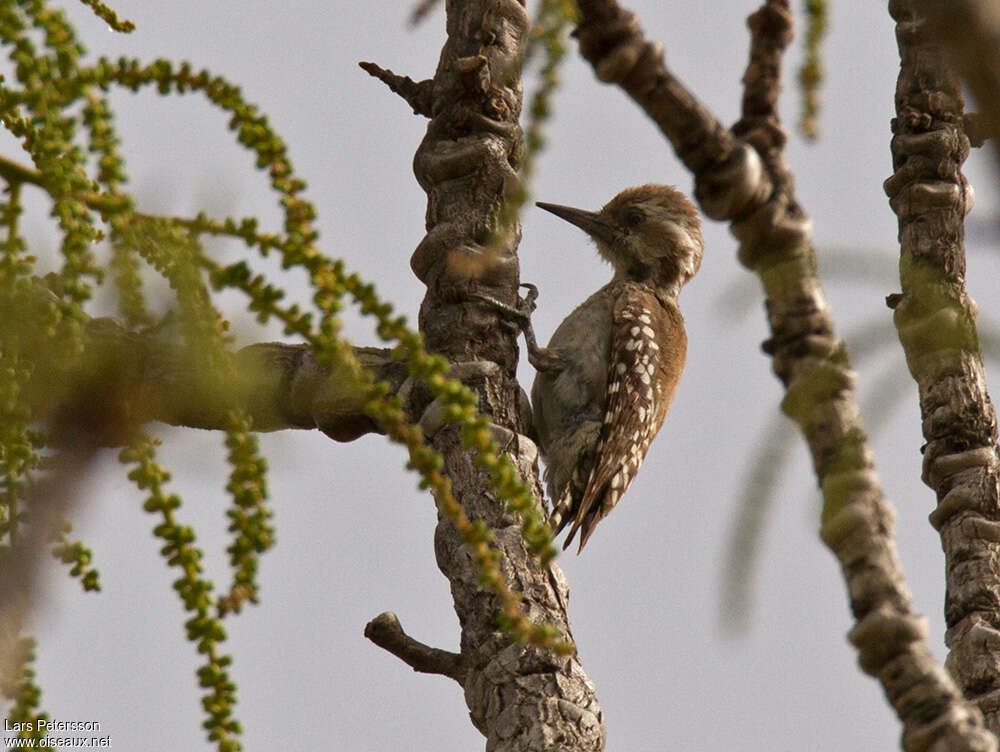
{"points": [[520, 697], [970, 32], [742, 177], [936, 322]]}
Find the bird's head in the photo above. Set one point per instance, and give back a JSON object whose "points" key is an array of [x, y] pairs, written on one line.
{"points": [[650, 233]]}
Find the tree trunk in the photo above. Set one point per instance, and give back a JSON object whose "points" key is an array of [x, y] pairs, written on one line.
{"points": [[520, 697]]}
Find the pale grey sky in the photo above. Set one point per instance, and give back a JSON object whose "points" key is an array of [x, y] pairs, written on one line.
{"points": [[354, 535]]}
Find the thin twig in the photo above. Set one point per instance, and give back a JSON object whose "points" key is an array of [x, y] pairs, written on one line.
{"points": [[419, 95]]}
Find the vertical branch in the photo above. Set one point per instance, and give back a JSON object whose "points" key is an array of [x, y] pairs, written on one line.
{"points": [[519, 696], [743, 177], [936, 321]]}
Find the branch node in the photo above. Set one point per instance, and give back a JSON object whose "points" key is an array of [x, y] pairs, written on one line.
{"points": [[729, 189], [883, 634]]}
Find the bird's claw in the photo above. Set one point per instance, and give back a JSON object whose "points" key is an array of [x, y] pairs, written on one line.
{"points": [[521, 313], [528, 301], [539, 357]]}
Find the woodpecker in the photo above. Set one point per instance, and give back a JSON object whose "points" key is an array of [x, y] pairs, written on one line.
{"points": [[607, 377]]}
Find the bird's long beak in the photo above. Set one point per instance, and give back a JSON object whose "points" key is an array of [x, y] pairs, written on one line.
{"points": [[592, 223]]}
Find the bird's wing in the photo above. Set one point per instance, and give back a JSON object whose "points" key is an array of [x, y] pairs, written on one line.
{"points": [[649, 344]]}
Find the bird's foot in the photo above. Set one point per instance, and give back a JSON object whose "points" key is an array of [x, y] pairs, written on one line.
{"points": [[521, 313], [539, 357]]}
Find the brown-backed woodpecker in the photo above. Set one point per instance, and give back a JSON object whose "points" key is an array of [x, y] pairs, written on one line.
{"points": [[610, 371]]}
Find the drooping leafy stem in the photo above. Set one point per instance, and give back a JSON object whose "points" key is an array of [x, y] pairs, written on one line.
{"points": [[18, 457], [385, 408], [174, 251], [42, 111], [124, 265], [50, 87], [17, 454], [107, 15], [329, 278], [33, 111], [250, 517], [331, 282], [548, 33], [811, 73], [25, 696], [203, 628]]}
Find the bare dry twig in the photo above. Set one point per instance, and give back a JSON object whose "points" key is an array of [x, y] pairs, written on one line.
{"points": [[419, 95], [386, 632]]}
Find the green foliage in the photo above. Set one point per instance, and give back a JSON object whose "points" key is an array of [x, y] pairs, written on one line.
{"points": [[548, 35], [109, 16], [249, 514], [811, 73], [32, 113], [459, 402], [204, 629], [55, 105], [79, 556], [24, 694]]}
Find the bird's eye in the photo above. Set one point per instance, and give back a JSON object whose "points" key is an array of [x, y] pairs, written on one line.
{"points": [[633, 217]]}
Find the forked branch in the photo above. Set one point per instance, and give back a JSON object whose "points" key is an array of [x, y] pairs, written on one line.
{"points": [[742, 176]]}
